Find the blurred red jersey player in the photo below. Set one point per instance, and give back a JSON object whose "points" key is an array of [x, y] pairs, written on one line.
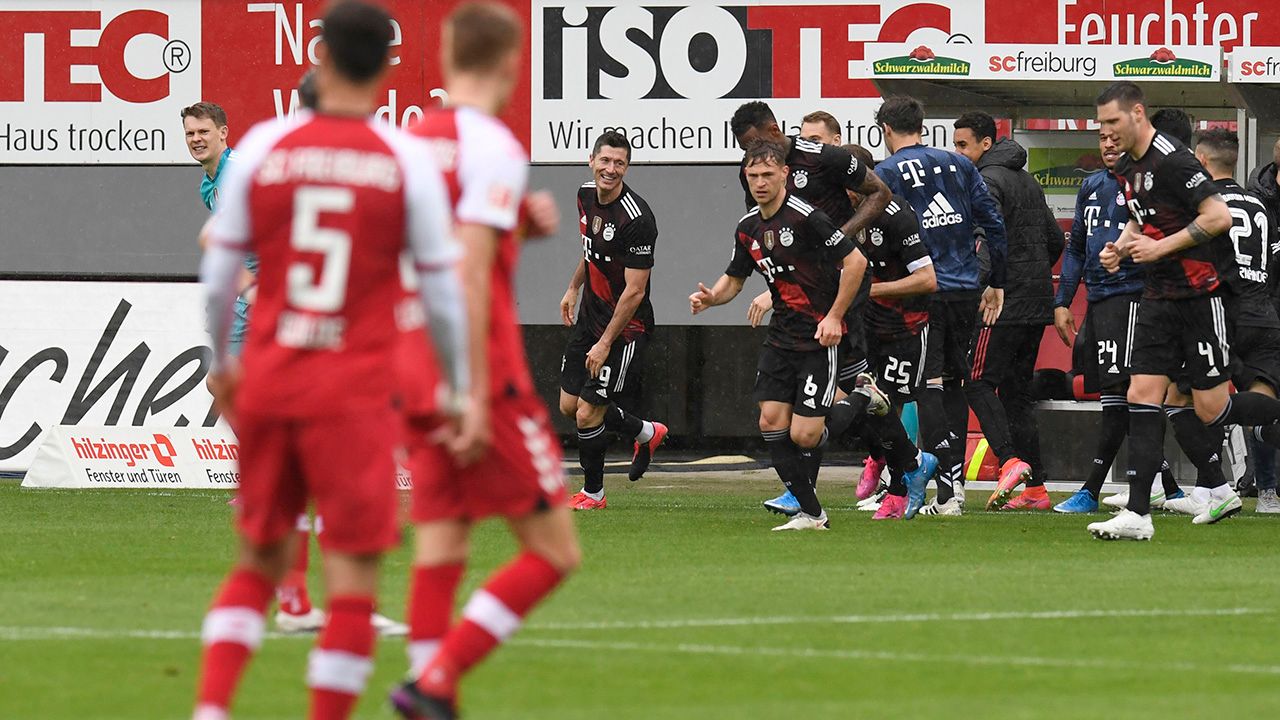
{"points": [[328, 202], [520, 477]]}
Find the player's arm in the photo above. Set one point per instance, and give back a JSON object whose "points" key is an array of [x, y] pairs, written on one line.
{"points": [[1190, 185], [1071, 274], [903, 230], [570, 298], [638, 239], [725, 290], [853, 267], [1054, 239], [987, 216], [876, 196]]}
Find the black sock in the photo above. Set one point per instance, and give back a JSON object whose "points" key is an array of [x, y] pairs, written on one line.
{"points": [[1249, 408], [592, 445], [622, 422], [936, 438], [991, 415], [898, 450], [1115, 426], [1146, 450], [813, 458], [957, 408], [872, 441], [847, 415], [1167, 480], [1201, 443], [896, 485], [789, 465]]}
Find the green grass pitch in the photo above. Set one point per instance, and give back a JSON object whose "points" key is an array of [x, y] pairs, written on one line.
{"points": [[688, 607]]}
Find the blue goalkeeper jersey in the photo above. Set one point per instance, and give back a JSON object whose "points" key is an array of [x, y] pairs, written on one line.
{"points": [[209, 185], [1101, 215], [951, 200]]}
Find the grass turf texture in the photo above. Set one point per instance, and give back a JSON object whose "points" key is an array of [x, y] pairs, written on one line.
{"points": [[757, 624]]}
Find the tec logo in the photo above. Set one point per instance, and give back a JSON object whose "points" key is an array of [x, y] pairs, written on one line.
{"points": [[59, 28]]}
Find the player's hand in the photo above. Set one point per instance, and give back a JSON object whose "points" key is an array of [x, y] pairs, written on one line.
{"points": [[1109, 257], [1144, 249], [991, 306], [830, 330], [222, 385], [1065, 323], [566, 306], [701, 300], [596, 358], [472, 434], [542, 213], [759, 307]]}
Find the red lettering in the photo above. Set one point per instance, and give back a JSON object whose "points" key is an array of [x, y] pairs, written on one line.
{"points": [[115, 36], [837, 50]]}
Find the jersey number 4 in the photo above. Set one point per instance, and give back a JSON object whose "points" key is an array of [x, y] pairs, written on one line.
{"points": [[327, 292]]}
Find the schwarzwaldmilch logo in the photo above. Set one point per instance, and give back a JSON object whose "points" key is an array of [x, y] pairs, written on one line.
{"points": [[1163, 63], [921, 61]]}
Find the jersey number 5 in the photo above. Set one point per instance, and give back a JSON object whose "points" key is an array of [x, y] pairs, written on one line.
{"points": [[328, 292]]}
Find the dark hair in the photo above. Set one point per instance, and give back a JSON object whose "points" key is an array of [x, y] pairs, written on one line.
{"points": [[358, 35], [824, 117], [1220, 144], [614, 139], [1174, 122], [307, 96], [1125, 92], [863, 156], [754, 114], [764, 150], [482, 34], [206, 111], [981, 124], [902, 113]]}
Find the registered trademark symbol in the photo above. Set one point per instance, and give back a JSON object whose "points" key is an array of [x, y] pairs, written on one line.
{"points": [[177, 56]]}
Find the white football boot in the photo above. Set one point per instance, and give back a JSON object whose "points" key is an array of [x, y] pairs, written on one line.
{"points": [[1220, 507], [305, 623], [1188, 504], [950, 508], [1125, 525], [387, 627], [804, 521]]}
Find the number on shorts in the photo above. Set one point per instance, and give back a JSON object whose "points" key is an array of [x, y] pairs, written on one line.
{"points": [[1206, 350], [538, 443], [605, 372], [328, 292], [1107, 347], [897, 372], [810, 387]]}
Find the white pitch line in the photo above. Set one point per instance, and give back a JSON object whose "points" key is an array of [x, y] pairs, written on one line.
{"points": [[905, 618], [807, 653]]}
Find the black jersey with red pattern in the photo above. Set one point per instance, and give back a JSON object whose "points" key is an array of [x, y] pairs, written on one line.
{"points": [[1164, 189], [1253, 256], [798, 251], [894, 250], [615, 236], [820, 175]]}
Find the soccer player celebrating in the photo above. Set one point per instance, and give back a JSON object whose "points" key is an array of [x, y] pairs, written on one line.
{"points": [[313, 405], [519, 478], [814, 271], [1176, 218], [951, 201], [1004, 352], [599, 374]]}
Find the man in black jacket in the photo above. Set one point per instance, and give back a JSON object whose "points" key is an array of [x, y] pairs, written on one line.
{"points": [[1262, 183], [1004, 354]]}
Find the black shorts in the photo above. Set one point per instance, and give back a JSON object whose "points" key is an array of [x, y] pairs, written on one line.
{"points": [[899, 364], [805, 380], [1257, 357], [619, 379], [951, 322], [1108, 335], [1188, 339], [854, 355]]}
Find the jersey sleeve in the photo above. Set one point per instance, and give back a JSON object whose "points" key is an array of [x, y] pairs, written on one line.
{"points": [[493, 177], [903, 230], [1186, 179], [639, 237], [741, 264], [841, 162], [1073, 256], [831, 240]]}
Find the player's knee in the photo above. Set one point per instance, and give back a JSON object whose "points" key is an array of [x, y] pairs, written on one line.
{"points": [[1209, 409], [770, 422], [568, 404], [806, 437], [588, 415]]}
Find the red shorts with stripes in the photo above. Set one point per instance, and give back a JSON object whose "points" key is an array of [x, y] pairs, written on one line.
{"points": [[520, 474]]}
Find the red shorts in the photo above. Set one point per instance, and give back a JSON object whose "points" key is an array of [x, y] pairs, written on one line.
{"points": [[344, 464], [520, 474]]}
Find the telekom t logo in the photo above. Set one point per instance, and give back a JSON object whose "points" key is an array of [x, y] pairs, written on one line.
{"points": [[912, 170], [60, 55]]}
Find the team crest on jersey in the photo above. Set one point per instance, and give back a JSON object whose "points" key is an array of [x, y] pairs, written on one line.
{"points": [[1147, 182], [595, 224], [608, 232], [768, 239], [1120, 199], [800, 178], [877, 237], [786, 237]]}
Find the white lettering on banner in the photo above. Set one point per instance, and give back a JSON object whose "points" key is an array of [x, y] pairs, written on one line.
{"points": [[96, 80], [1167, 27], [104, 457], [111, 354]]}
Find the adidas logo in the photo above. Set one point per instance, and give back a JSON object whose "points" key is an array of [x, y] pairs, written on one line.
{"points": [[940, 213], [755, 245], [809, 403], [1113, 370], [944, 445], [1213, 372], [1093, 196]]}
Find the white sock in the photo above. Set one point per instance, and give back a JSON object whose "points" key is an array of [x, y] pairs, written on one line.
{"points": [[1201, 494], [595, 495], [646, 432], [1222, 491]]}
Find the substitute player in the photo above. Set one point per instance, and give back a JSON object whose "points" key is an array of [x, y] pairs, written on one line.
{"points": [[1177, 229], [601, 368], [519, 478], [327, 202]]}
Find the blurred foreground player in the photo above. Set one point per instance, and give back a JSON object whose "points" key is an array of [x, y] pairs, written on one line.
{"points": [[328, 202], [601, 368], [519, 478]]}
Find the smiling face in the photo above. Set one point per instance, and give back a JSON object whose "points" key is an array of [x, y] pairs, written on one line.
{"points": [[609, 165], [205, 140], [1108, 148]]}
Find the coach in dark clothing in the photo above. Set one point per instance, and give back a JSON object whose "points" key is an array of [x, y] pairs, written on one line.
{"points": [[1263, 184], [1004, 355]]}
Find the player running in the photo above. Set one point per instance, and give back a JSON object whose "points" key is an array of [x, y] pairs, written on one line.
{"points": [[599, 375], [951, 201], [520, 477], [327, 202], [1176, 219], [1004, 353]]}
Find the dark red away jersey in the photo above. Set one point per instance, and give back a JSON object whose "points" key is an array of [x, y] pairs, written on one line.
{"points": [[615, 237]]}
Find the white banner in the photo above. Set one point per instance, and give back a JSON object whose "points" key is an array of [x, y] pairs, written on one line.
{"points": [[1254, 65], [126, 457], [99, 354], [99, 81], [1043, 62]]}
